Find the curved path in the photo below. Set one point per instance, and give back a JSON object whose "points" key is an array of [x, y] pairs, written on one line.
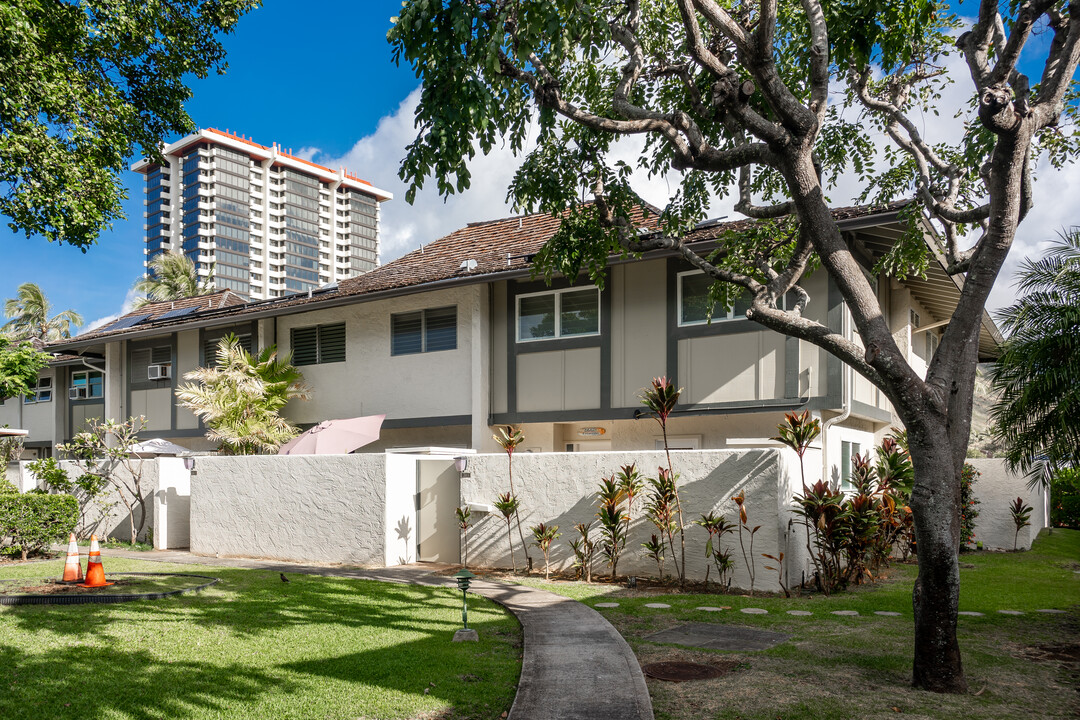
{"points": [[575, 666]]}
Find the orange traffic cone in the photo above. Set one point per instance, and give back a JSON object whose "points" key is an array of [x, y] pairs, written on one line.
{"points": [[95, 571], [72, 568]]}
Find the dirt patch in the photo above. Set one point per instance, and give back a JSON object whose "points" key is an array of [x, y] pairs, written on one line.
{"points": [[54, 587], [1067, 654]]}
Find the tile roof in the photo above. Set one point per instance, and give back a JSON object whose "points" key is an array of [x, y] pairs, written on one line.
{"points": [[497, 246], [157, 310]]}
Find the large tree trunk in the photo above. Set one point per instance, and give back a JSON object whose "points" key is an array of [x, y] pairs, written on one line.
{"points": [[936, 596]]}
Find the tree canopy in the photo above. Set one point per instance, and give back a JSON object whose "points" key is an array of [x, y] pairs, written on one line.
{"points": [[85, 84], [19, 366], [172, 276], [769, 102]]}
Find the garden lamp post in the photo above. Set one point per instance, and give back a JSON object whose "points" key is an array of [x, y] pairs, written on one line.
{"points": [[463, 579]]}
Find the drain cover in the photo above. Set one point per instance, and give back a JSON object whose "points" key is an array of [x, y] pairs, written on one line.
{"points": [[681, 671]]}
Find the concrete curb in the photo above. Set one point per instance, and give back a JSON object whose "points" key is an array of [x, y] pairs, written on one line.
{"points": [[575, 665]]}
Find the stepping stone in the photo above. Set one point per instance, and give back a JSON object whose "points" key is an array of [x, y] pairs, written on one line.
{"points": [[657, 606], [1010, 612], [970, 613], [710, 609], [715, 636], [846, 613], [886, 613], [800, 613], [606, 605], [1052, 612], [754, 611]]}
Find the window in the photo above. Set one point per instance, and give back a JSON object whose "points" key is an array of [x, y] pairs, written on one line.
{"points": [[558, 314], [931, 345], [848, 450], [423, 331], [141, 360], [42, 392], [694, 306], [318, 344], [87, 384]]}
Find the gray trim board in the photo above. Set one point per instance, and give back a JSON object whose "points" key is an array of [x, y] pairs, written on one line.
{"points": [[869, 411], [134, 345], [441, 421], [791, 367], [571, 343], [729, 408]]}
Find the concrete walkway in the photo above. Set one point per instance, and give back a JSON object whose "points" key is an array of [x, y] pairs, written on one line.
{"points": [[575, 666]]}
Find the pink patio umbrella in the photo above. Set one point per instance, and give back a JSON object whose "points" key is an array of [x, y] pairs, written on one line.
{"points": [[335, 437]]}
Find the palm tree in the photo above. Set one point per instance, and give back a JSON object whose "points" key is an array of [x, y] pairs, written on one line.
{"points": [[240, 398], [172, 276], [29, 313], [1038, 414]]}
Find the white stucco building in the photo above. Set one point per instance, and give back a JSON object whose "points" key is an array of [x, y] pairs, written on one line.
{"points": [[263, 222]]}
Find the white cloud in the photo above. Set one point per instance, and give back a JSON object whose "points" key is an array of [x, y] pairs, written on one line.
{"points": [[125, 308]]}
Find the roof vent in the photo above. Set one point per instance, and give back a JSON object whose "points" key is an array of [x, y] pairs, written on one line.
{"points": [[467, 265]]}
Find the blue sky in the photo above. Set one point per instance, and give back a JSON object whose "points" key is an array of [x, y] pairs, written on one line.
{"points": [[318, 78]]}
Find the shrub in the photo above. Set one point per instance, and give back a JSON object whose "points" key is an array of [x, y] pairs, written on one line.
{"points": [[33, 521], [1065, 499], [968, 505]]}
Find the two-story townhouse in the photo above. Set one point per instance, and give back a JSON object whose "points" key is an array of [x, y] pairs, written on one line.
{"points": [[457, 337]]}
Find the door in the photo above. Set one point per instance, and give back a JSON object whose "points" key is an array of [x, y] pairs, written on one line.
{"points": [[437, 494]]}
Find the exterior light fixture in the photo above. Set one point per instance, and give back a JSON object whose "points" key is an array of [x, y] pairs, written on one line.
{"points": [[461, 463]]}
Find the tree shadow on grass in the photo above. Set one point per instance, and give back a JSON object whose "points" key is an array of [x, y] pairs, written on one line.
{"points": [[94, 682], [250, 603]]}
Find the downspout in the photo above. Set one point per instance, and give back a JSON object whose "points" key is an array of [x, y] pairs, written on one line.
{"points": [[845, 407]]}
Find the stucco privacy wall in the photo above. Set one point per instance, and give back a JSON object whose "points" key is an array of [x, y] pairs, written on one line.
{"points": [[560, 489], [996, 489], [321, 508]]}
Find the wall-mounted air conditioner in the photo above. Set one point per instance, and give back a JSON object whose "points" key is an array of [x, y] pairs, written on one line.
{"points": [[77, 393], [159, 372]]}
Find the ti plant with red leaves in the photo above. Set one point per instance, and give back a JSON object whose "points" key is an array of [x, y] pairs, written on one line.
{"points": [[543, 536], [584, 548], [660, 398], [613, 521], [797, 432], [1021, 516], [632, 485], [507, 505], [717, 526], [822, 511], [654, 549], [779, 560], [740, 500], [464, 516], [661, 511], [509, 438]]}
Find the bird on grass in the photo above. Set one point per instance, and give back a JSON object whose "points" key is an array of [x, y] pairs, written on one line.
{"points": [[283, 578]]}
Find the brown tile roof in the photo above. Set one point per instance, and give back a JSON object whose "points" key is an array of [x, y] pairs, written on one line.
{"points": [[497, 246]]}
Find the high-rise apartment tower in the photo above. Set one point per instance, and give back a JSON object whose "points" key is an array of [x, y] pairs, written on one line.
{"points": [[262, 221]]}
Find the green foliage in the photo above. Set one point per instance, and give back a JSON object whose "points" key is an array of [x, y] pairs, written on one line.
{"points": [[29, 313], [1037, 417], [748, 555], [1065, 499], [584, 548], [660, 398], [969, 510], [661, 510], [240, 399], [48, 471], [172, 276], [654, 549], [85, 84], [464, 516], [613, 521], [507, 505], [19, 366], [1021, 517], [33, 521], [717, 526], [798, 430], [11, 448], [543, 536], [822, 512]]}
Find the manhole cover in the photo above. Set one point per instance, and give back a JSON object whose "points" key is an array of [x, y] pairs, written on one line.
{"points": [[675, 671]]}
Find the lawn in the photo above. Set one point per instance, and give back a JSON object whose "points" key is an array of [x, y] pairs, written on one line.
{"points": [[255, 647], [860, 667]]}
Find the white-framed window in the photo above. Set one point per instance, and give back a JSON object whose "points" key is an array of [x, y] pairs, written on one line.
{"points": [[86, 384], [565, 313], [848, 450], [694, 306], [42, 392]]}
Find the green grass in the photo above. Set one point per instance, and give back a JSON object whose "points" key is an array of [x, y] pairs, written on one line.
{"points": [[255, 647], [860, 667]]}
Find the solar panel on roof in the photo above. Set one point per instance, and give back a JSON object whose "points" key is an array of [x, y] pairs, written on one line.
{"points": [[178, 312], [126, 322]]}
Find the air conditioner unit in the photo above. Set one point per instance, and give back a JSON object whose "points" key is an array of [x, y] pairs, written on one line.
{"points": [[77, 393], [159, 372]]}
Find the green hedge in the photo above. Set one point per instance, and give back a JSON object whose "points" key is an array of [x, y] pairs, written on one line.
{"points": [[31, 522]]}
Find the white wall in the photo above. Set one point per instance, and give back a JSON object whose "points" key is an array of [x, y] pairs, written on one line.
{"points": [[313, 508], [996, 489], [172, 505], [559, 488]]}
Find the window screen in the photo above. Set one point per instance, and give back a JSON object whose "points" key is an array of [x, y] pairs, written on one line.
{"points": [[428, 330]]}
